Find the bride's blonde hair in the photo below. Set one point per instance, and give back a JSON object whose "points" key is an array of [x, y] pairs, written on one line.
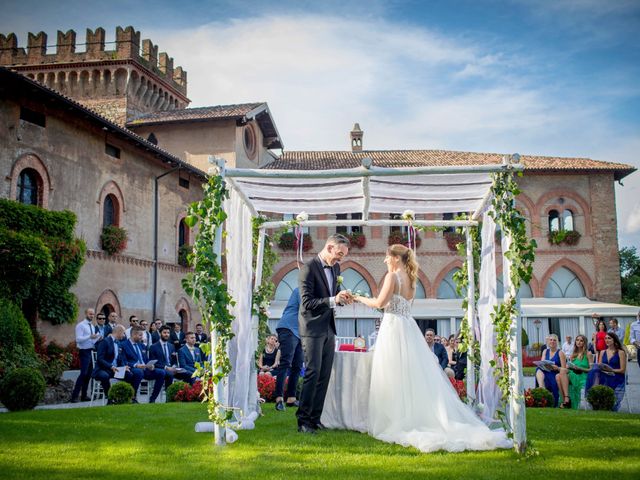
{"points": [[408, 260]]}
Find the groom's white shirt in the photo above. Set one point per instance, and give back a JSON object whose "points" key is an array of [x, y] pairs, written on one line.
{"points": [[328, 273]]}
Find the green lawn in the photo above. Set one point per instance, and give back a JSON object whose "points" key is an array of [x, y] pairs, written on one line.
{"points": [[158, 441]]}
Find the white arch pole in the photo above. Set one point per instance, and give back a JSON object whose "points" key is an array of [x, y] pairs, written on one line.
{"points": [[517, 411], [471, 316], [218, 391]]}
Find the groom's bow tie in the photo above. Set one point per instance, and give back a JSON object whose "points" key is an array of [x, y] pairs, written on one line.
{"points": [[329, 267]]}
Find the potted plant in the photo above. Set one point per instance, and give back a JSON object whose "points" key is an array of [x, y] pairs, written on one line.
{"points": [[567, 237], [113, 239], [398, 237], [453, 239], [307, 243], [572, 237], [287, 241], [183, 255], [357, 239]]}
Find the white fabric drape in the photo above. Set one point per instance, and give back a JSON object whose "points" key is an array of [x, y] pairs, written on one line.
{"points": [[488, 391], [242, 386]]}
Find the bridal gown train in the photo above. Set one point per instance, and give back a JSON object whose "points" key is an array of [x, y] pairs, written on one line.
{"points": [[411, 401]]}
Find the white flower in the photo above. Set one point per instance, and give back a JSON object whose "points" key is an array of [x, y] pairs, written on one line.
{"points": [[302, 217], [408, 215], [213, 171], [340, 279]]}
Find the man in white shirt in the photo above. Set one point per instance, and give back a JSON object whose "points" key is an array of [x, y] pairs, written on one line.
{"points": [[567, 346], [133, 322], [634, 336], [615, 328], [86, 339]]}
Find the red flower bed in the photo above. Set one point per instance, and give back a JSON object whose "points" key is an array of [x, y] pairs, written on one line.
{"points": [[527, 361], [460, 388], [189, 393], [266, 387]]}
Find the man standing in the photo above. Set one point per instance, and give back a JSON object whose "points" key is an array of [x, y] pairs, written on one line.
{"points": [[135, 357], [436, 348], [634, 336], [133, 322], [201, 337], [113, 321], [290, 352], [319, 294], [177, 336], [567, 346], [86, 339], [155, 336], [614, 327], [146, 336], [100, 327], [188, 356]]}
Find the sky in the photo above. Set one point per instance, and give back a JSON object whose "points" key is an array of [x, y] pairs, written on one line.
{"points": [[544, 77]]}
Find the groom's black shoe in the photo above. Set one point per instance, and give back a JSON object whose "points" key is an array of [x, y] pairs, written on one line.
{"points": [[307, 429], [320, 426], [280, 406]]}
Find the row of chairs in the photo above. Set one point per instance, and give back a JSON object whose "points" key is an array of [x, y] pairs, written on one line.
{"points": [[97, 392]]}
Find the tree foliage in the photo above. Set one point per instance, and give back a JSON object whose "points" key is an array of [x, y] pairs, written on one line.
{"points": [[630, 275], [40, 260]]}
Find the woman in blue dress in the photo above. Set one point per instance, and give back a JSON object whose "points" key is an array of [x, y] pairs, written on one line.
{"points": [[616, 357], [548, 379]]}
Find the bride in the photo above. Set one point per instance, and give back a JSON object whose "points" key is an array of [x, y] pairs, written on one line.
{"points": [[412, 402]]}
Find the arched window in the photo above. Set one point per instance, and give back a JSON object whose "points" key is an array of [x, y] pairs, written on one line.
{"points": [[447, 287], [183, 234], [420, 291], [28, 187], [564, 284], [184, 319], [106, 310], [286, 286], [554, 221], [110, 211], [567, 220], [523, 292], [352, 280]]}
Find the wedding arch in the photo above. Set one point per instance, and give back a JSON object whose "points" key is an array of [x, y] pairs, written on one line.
{"points": [[235, 198]]}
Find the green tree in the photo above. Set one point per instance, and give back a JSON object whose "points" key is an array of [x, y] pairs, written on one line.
{"points": [[630, 275]]}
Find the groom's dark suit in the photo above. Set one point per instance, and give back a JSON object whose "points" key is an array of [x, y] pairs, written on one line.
{"points": [[317, 325]]}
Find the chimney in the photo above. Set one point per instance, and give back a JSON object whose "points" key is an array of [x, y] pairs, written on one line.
{"points": [[356, 138]]}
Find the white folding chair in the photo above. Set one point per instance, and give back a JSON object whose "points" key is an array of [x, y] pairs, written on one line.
{"points": [[97, 392]]}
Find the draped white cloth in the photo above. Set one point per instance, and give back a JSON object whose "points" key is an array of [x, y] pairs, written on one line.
{"points": [[488, 391], [242, 386], [450, 193]]}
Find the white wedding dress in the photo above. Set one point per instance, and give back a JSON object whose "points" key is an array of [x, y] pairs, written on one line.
{"points": [[411, 401]]}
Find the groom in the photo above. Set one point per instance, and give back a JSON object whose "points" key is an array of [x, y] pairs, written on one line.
{"points": [[319, 293]]}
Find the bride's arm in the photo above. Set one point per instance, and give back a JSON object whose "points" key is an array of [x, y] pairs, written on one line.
{"points": [[386, 292]]}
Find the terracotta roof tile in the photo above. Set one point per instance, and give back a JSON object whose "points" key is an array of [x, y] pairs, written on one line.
{"points": [[325, 160], [198, 113]]}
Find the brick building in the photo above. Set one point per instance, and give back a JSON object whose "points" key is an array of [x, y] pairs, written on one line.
{"points": [[108, 135]]}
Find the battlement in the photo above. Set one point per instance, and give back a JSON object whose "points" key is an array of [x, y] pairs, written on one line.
{"points": [[127, 47]]}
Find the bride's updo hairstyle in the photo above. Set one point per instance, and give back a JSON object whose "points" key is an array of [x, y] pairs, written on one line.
{"points": [[408, 259]]}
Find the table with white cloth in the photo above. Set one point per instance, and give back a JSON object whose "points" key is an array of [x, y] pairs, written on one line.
{"points": [[346, 405]]}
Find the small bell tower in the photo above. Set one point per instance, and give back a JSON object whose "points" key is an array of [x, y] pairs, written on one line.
{"points": [[356, 138]]}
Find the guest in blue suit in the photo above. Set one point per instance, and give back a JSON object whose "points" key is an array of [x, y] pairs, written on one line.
{"points": [[165, 355], [109, 358], [189, 355], [436, 348], [291, 356], [136, 358]]}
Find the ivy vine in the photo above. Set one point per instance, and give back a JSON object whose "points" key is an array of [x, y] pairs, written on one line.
{"points": [[521, 253], [209, 291]]}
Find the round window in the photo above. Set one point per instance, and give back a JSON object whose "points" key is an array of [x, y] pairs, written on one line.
{"points": [[250, 141]]}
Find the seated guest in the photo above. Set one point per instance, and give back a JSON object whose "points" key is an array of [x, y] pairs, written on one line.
{"points": [[135, 357], [188, 356], [615, 356], [571, 382], [270, 357], [177, 336], [201, 337], [109, 358], [548, 379], [460, 367], [164, 354], [436, 348]]}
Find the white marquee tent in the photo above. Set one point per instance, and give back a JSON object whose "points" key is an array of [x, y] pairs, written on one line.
{"points": [[366, 189]]}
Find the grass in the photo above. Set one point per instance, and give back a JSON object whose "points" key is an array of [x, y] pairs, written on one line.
{"points": [[529, 371], [158, 441]]}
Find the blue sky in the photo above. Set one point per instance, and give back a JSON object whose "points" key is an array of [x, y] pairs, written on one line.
{"points": [[556, 77]]}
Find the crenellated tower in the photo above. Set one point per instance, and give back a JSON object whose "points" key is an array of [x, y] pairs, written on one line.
{"points": [[121, 84]]}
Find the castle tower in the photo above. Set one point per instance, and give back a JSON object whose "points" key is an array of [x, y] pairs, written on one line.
{"points": [[356, 138], [120, 84]]}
